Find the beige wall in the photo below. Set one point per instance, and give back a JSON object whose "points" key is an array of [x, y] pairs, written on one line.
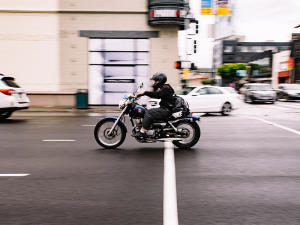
{"points": [[104, 5], [40, 44], [29, 5], [29, 50], [74, 65]]}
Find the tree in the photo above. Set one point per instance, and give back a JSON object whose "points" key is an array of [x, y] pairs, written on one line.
{"points": [[228, 71]]}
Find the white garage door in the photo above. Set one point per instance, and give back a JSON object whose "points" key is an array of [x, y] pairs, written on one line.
{"points": [[116, 67]]}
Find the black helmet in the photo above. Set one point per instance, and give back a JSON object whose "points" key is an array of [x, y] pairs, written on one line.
{"points": [[161, 78]]}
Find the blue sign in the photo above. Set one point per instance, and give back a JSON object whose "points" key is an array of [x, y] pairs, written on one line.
{"points": [[206, 4], [241, 73]]}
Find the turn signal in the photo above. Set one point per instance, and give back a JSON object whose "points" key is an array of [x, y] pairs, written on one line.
{"points": [[7, 91]]}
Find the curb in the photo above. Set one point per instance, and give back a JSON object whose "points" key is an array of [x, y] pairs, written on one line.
{"points": [[68, 110]]}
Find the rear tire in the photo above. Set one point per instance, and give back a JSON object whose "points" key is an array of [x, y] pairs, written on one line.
{"points": [[101, 134], [188, 142], [5, 115]]}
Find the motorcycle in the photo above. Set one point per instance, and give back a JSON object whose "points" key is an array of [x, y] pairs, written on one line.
{"points": [[111, 132]]}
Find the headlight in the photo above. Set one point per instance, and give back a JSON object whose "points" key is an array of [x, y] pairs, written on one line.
{"points": [[122, 104]]}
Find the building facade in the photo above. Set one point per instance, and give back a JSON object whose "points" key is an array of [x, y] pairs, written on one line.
{"points": [[232, 51], [55, 47]]}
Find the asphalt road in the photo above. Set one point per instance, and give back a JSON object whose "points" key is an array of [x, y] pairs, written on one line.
{"points": [[243, 170]]}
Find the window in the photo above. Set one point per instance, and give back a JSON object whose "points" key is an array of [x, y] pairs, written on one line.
{"points": [[185, 91], [228, 57], [241, 57], [257, 49], [10, 82], [213, 91], [244, 49], [203, 91], [272, 48], [228, 48]]}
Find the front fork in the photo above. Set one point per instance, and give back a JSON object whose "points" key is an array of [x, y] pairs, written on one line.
{"points": [[117, 121]]}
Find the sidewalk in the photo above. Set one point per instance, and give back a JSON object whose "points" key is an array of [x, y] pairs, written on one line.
{"points": [[71, 109]]}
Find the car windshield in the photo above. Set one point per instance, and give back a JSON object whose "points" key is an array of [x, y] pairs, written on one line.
{"points": [[292, 87], [185, 91], [261, 88]]}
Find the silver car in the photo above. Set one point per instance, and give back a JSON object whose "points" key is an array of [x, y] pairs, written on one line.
{"points": [[288, 92], [260, 93]]}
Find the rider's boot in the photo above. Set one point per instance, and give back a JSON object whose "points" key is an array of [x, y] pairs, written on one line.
{"points": [[140, 134]]}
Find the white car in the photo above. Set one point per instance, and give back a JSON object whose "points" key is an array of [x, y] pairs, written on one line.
{"points": [[12, 97], [206, 99]]}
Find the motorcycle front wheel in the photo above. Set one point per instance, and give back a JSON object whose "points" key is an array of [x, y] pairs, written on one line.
{"points": [[115, 139], [190, 135]]}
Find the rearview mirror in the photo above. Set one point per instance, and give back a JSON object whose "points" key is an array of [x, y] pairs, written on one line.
{"points": [[141, 85], [195, 94]]}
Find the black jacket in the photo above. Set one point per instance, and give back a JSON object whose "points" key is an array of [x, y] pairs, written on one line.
{"points": [[165, 93]]}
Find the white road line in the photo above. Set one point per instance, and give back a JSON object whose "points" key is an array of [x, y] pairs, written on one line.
{"points": [[88, 125], [14, 175], [293, 106], [58, 140], [275, 107], [275, 124], [170, 196]]}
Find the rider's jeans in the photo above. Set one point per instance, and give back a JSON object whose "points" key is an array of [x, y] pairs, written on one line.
{"points": [[155, 114]]}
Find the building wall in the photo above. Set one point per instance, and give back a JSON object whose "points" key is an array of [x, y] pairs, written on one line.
{"points": [[29, 49], [277, 59], [41, 47]]}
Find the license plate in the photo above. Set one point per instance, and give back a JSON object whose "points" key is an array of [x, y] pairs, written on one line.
{"points": [[20, 96]]}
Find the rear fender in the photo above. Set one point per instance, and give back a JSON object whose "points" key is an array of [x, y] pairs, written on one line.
{"points": [[189, 119], [120, 122]]}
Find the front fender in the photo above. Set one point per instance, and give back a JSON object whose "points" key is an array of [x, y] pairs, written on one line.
{"points": [[120, 122]]}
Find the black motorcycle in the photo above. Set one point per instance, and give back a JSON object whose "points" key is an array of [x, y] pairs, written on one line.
{"points": [[111, 132]]}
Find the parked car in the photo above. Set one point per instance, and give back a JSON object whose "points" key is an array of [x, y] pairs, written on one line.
{"points": [[256, 92], [205, 99], [243, 89], [288, 92], [12, 97]]}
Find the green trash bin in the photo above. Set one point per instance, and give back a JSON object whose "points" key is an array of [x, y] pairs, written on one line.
{"points": [[82, 99]]}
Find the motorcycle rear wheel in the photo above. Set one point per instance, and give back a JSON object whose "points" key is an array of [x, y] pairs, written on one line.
{"points": [[109, 141], [193, 137]]}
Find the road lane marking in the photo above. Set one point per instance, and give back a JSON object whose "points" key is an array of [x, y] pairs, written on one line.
{"points": [[88, 125], [293, 106], [275, 124], [275, 107], [58, 140], [170, 214], [14, 175]]}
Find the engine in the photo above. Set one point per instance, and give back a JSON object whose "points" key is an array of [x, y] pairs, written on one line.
{"points": [[138, 126]]}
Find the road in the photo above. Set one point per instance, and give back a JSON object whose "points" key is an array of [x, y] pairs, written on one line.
{"points": [[244, 170]]}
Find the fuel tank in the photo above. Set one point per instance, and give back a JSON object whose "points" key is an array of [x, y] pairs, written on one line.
{"points": [[137, 112]]}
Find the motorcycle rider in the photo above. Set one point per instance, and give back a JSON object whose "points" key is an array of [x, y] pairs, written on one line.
{"points": [[161, 91]]}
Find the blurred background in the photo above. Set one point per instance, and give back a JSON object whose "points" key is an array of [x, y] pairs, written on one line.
{"points": [[56, 48]]}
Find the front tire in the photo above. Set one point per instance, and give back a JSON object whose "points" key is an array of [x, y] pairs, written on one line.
{"points": [[109, 141], [191, 136], [5, 115]]}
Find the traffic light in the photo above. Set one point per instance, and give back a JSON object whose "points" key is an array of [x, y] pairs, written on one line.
{"points": [[178, 65], [195, 46], [185, 65], [196, 26], [193, 67]]}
